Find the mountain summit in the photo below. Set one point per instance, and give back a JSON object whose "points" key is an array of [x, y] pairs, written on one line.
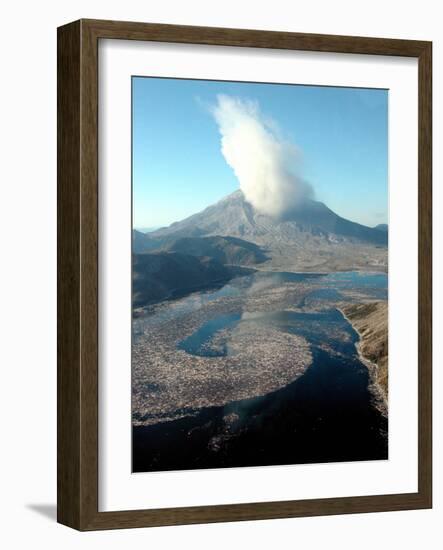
{"points": [[233, 216], [310, 237]]}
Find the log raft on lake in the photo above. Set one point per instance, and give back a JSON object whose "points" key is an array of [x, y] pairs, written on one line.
{"points": [[169, 383]]}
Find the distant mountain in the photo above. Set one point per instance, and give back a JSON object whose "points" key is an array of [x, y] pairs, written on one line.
{"points": [[227, 250], [381, 227], [162, 275], [140, 243], [147, 229], [235, 217]]}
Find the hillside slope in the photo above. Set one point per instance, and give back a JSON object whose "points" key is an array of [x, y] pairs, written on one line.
{"points": [[226, 250], [371, 322], [163, 275]]}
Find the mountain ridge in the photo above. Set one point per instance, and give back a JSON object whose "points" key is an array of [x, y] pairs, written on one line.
{"points": [[311, 237], [234, 216]]}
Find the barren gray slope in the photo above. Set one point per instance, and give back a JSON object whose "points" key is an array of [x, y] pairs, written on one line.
{"points": [[311, 238], [234, 216]]}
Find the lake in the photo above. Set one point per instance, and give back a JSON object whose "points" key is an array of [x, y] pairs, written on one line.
{"points": [[326, 415]]}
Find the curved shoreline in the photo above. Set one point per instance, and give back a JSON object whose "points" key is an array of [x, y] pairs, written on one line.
{"points": [[376, 389]]}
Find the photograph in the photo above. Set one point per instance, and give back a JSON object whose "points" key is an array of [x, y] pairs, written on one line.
{"points": [[259, 274], [232, 274]]}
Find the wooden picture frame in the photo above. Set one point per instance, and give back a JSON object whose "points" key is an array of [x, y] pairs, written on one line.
{"points": [[78, 274]]}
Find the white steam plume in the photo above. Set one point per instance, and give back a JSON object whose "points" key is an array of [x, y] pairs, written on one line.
{"points": [[264, 164]]}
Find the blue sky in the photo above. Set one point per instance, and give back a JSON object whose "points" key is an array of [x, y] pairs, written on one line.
{"points": [[178, 167]]}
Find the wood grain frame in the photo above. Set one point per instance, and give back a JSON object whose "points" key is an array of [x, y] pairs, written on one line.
{"points": [[77, 455]]}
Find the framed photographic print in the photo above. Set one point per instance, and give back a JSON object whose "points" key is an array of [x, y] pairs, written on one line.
{"points": [[244, 275]]}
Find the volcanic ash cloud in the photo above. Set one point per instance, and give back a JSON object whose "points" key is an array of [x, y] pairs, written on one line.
{"points": [[264, 163]]}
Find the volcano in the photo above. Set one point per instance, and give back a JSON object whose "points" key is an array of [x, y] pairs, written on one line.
{"points": [[310, 237]]}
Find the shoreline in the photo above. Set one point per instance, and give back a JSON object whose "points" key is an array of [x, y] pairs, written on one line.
{"points": [[174, 296], [380, 397], [354, 269]]}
